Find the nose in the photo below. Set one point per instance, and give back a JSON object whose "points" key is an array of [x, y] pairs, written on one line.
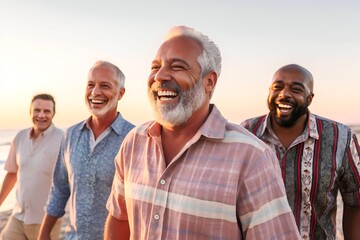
{"points": [[41, 114], [162, 75], [95, 91], [284, 92]]}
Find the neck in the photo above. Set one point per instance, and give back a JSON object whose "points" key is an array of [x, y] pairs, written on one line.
{"points": [[287, 135], [175, 137], [191, 126], [99, 124], [35, 132]]}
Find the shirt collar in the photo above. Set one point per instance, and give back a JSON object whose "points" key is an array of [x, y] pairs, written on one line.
{"points": [[310, 130], [213, 127], [44, 133], [117, 125]]}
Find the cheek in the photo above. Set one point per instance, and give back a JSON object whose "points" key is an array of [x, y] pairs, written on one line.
{"points": [[87, 92], [150, 80], [187, 83], [270, 98]]}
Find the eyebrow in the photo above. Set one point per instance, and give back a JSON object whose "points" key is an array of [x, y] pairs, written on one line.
{"points": [[172, 60], [293, 83]]}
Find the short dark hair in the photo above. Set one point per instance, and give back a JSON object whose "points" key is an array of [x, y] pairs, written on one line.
{"points": [[44, 96]]}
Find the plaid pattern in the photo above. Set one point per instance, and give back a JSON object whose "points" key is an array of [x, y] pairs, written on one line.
{"points": [[223, 184], [321, 161]]}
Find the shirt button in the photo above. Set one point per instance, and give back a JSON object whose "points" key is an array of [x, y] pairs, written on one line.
{"points": [[156, 216], [162, 181]]}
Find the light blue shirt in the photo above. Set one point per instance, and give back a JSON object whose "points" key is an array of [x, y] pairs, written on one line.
{"points": [[84, 177]]}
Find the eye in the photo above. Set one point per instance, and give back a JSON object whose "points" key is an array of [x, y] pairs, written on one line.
{"points": [[105, 86], [277, 87], [155, 67], [297, 90], [177, 67]]}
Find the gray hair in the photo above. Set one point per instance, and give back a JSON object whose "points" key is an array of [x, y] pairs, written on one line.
{"points": [[119, 74], [210, 59]]}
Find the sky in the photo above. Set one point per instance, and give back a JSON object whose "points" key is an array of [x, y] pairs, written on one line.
{"points": [[49, 46]]}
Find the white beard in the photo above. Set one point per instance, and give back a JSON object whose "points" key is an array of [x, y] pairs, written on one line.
{"points": [[179, 113]]}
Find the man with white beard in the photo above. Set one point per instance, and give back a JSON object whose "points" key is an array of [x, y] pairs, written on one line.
{"points": [[85, 166], [191, 174]]}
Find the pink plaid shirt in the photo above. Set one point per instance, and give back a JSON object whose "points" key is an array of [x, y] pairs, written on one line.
{"points": [[223, 184]]}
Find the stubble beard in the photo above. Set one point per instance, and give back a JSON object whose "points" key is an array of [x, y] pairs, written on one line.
{"points": [[101, 112]]}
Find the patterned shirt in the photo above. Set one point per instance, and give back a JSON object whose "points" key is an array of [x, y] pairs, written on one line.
{"points": [[85, 178], [321, 161], [224, 184], [33, 159]]}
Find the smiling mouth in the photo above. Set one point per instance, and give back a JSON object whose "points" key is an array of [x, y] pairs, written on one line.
{"points": [[41, 121], [166, 95], [284, 108], [97, 101]]}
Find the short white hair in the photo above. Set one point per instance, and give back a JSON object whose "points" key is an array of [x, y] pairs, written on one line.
{"points": [[210, 59], [119, 74]]}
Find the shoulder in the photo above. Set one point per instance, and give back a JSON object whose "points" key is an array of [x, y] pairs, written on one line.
{"points": [[137, 132], [58, 131], [22, 134], [325, 124], [255, 125], [127, 126], [238, 134], [252, 122], [74, 129], [76, 126], [142, 129]]}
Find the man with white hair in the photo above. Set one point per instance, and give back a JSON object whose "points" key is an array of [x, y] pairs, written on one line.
{"points": [[191, 174], [85, 166]]}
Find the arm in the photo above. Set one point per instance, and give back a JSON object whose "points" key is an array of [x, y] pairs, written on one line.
{"points": [[351, 220], [116, 229], [8, 184], [46, 227], [264, 214]]}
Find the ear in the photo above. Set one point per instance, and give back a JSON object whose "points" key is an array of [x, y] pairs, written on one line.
{"points": [[310, 98], [210, 81], [121, 93]]}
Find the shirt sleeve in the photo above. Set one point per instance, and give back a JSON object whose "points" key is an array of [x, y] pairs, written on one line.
{"points": [[350, 182], [60, 189], [11, 164], [116, 203], [263, 209]]}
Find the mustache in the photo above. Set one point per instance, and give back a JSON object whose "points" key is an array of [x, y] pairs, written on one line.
{"points": [[170, 84]]}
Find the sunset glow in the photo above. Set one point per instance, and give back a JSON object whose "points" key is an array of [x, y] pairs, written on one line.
{"points": [[49, 47]]}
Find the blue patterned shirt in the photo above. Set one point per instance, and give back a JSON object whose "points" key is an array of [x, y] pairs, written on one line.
{"points": [[85, 178]]}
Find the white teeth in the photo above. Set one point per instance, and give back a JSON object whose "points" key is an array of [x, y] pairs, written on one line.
{"points": [[284, 106], [97, 101], [166, 93], [165, 98]]}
